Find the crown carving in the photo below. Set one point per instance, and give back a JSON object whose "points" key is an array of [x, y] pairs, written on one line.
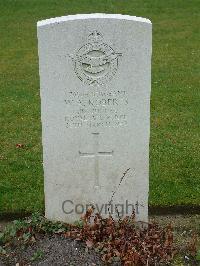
{"points": [[95, 36]]}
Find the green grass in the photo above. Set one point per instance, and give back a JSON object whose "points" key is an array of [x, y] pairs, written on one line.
{"points": [[175, 102]]}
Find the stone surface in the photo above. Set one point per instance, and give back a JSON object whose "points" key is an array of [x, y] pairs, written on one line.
{"points": [[95, 79]]}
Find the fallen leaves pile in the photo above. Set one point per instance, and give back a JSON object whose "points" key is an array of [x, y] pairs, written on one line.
{"points": [[124, 241]]}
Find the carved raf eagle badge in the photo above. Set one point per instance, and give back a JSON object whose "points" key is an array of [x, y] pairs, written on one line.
{"points": [[95, 63]]}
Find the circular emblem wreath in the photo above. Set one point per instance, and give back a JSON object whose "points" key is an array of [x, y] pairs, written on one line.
{"points": [[95, 63]]}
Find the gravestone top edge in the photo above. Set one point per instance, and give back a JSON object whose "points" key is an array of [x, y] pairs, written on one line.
{"points": [[91, 16]]}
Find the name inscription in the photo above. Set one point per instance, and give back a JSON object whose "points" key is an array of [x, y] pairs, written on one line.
{"points": [[96, 109]]}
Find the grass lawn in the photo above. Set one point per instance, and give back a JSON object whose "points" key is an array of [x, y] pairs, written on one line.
{"points": [[175, 102]]}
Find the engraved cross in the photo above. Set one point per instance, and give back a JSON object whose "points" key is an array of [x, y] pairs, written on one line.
{"points": [[96, 154]]}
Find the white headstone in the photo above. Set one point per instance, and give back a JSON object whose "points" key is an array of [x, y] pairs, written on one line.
{"points": [[95, 79]]}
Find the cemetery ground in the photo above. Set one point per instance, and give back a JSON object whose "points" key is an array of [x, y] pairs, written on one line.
{"points": [[37, 241], [174, 146]]}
